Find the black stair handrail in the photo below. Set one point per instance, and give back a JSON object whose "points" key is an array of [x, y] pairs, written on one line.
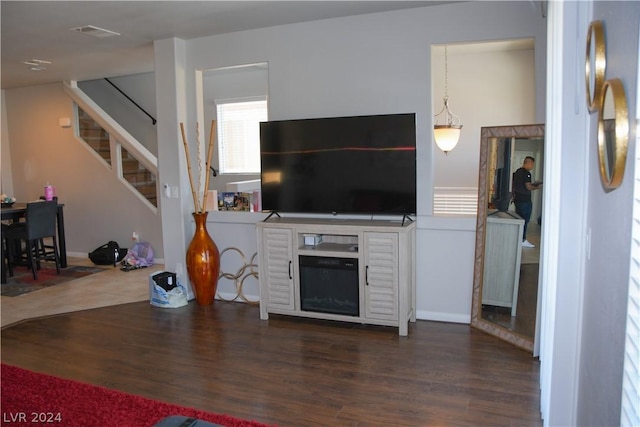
{"points": [[153, 120]]}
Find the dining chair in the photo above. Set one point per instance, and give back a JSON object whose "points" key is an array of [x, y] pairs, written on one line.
{"points": [[40, 224]]}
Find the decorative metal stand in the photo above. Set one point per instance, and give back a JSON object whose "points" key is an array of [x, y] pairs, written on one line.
{"points": [[246, 270]]}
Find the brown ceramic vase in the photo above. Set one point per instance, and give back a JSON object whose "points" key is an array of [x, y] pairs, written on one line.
{"points": [[203, 262]]}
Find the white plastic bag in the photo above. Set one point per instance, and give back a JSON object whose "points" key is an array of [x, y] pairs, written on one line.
{"points": [[159, 297], [176, 297]]}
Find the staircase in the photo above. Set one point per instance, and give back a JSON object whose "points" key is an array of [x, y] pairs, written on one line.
{"points": [[129, 168], [139, 177]]}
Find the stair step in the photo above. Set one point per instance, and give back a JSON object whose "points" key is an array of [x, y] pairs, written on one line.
{"points": [[132, 167], [97, 142], [149, 188], [90, 137]]}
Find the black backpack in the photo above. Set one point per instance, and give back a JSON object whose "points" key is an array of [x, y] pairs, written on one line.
{"points": [[108, 254]]}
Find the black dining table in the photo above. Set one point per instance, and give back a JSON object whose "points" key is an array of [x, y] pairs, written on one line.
{"points": [[18, 210]]}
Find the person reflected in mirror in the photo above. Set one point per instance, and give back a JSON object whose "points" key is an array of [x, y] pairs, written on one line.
{"points": [[522, 188]]}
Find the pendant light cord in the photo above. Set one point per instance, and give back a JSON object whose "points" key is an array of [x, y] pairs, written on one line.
{"points": [[446, 73]]}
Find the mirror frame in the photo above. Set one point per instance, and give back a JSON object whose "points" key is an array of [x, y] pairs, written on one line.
{"points": [[486, 133], [611, 179], [596, 54]]}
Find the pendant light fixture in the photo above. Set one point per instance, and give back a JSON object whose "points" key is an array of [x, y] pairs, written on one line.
{"points": [[448, 134]]}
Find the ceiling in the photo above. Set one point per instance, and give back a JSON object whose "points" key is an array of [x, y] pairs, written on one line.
{"points": [[41, 30]]}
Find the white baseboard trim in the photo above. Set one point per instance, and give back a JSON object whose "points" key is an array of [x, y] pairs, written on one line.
{"points": [[230, 295], [443, 317], [86, 255], [420, 314], [77, 255]]}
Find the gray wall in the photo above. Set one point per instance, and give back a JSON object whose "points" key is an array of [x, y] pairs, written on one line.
{"points": [[609, 220]]}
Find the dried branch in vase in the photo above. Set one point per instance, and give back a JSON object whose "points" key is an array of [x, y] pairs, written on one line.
{"points": [[199, 207]]}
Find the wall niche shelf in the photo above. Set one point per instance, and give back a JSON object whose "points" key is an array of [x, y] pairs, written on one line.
{"points": [[365, 265]]}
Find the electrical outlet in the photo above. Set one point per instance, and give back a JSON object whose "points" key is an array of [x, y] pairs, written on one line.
{"points": [[134, 236]]}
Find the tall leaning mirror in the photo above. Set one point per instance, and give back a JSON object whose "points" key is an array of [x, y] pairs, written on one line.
{"points": [[505, 281]]}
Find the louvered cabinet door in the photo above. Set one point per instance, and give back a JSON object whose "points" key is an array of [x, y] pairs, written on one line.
{"points": [[381, 276], [277, 255]]}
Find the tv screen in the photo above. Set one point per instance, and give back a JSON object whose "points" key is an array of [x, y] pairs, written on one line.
{"points": [[340, 165]]}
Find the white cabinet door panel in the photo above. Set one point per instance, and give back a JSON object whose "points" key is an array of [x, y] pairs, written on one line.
{"points": [[381, 276], [278, 255]]}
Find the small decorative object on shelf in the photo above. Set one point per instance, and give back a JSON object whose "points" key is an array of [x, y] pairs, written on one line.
{"points": [[230, 201], [203, 257]]}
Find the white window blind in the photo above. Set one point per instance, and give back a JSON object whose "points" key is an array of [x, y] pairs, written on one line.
{"points": [[630, 407], [455, 201], [630, 411], [239, 135]]}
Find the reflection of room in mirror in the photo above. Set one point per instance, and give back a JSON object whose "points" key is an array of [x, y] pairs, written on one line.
{"points": [[609, 122], [591, 67], [524, 321], [500, 170], [610, 144]]}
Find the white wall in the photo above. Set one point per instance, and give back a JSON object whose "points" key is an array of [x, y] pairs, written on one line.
{"points": [[371, 64], [486, 88], [444, 272]]}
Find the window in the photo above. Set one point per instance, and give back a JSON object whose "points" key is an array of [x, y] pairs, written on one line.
{"points": [[239, 135]]}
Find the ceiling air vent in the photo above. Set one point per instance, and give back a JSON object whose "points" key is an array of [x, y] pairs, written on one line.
{"points": [[94, 31], [37, 64]]}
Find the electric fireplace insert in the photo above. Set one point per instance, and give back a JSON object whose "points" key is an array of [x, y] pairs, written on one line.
{"points": [[329, 285]]}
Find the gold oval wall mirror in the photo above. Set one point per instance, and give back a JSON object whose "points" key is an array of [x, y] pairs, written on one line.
{"points": [[505, 279], [595, 64], [613, 134]]}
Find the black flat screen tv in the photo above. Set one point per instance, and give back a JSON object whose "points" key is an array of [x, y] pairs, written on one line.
{"points": [[340, 165]]}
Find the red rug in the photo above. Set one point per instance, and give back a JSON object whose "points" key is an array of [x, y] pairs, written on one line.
{"points": [[30, 399]]}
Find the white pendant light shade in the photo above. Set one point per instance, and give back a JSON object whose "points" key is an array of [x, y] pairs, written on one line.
{"points": [[446, 136]]}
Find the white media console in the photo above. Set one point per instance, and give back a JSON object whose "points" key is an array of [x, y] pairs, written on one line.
{"points": [[355, 270]]}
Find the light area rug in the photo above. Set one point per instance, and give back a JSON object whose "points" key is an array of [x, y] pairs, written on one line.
{"points": [[22, 281]]}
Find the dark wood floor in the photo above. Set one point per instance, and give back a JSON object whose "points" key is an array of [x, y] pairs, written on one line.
{"points": [[287, 371]]}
